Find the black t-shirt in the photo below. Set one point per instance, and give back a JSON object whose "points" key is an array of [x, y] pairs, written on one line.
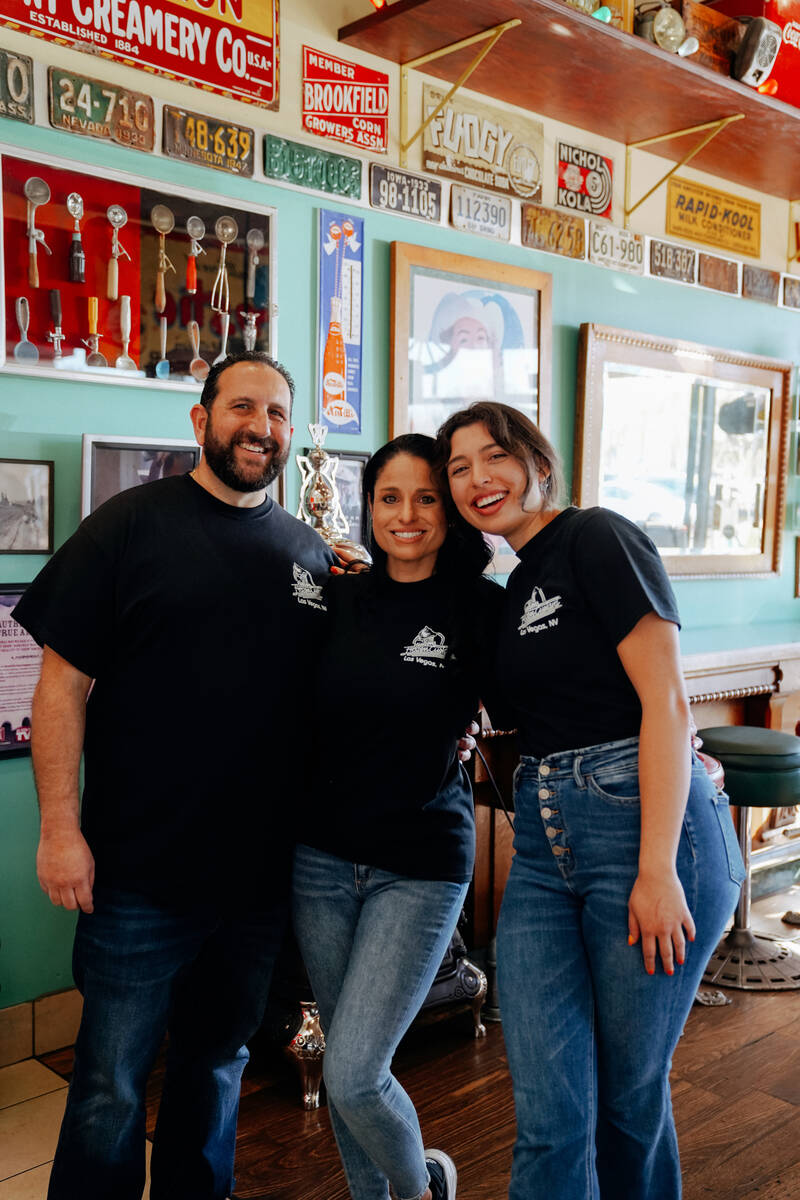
{"points": [[397, 683], [198, 622], [582, 584]]}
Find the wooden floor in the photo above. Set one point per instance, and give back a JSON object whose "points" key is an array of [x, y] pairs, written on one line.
{"points": [[736, 1084]]}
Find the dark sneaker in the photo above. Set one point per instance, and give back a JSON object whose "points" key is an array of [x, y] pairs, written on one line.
{"points": [[442, 1171]]}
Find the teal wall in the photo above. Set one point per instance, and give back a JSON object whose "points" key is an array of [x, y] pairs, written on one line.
{"points": [[43, 419]]}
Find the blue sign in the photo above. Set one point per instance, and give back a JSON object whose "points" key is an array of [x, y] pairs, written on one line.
{"points": [[341, 270]]}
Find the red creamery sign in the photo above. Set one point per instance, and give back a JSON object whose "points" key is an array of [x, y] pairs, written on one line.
{"points": [[226, 46]]}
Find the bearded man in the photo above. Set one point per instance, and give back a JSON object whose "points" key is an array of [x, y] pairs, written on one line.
{"points": [[178, 624]]}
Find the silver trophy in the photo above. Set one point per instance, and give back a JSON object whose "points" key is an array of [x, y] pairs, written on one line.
{"points": [[319, 499]]}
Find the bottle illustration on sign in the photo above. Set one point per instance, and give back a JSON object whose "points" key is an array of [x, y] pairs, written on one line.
{"points": [[334, 367], [335, 407]]}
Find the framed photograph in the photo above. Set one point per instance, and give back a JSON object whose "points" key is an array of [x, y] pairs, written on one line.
{"points": [[466, 329], [26, 506], [113, 464], [349, 474], [20, 663]]}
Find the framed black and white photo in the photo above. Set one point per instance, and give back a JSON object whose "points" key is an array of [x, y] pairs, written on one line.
{"points": [[113, 464], [26, 506], [20, 664], [349, 475]]}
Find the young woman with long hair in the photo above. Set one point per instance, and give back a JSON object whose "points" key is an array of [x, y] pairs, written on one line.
{"points": [[387, 838], [626, 865]]}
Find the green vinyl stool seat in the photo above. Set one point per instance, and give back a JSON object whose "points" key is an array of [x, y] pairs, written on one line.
{"points": [[762, 770]]}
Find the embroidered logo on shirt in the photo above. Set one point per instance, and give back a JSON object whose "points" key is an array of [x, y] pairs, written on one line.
{"points": [[428, 648], [305, 590], [537, 610]]}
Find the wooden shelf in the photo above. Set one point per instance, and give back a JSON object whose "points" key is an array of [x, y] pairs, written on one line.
{"points": [[569, 67]]}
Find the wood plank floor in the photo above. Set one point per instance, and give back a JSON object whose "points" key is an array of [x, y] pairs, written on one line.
{"points": [[736, 1084]]}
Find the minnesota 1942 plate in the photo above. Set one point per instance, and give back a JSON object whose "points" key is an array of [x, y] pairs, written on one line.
{"points": [[196, 138], [101, 110], [616, 248]]}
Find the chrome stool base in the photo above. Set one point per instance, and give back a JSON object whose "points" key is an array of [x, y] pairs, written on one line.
{"points": [[754, 962]]}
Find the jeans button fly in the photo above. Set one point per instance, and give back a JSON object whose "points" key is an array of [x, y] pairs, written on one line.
{"points": [[547, 812], [544, 770], [544, 794], [551, 833]]}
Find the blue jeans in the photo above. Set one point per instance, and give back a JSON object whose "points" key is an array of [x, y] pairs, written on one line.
{"points": [[372, 943], [589, 1034], [143, 969]]}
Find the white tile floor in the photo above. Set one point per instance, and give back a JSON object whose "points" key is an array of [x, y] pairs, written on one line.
{"points": [[32, 1096], [32, 1101]]}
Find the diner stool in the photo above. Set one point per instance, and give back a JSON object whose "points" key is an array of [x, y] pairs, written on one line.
{"points": [[762, 769]]}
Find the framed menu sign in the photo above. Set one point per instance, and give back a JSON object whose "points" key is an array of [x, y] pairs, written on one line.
{"points": [[20, 663]]}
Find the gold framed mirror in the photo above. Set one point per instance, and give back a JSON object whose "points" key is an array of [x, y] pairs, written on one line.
{"points": [[688, 441]]}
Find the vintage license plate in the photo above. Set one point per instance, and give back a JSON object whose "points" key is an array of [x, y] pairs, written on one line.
{"points": [[617, 248], [401, 192], [477, 212], [98, 109], [16, 86], [546, 229], [760, 284], [721, 274], [672, 262], [196, 138], [791, 292], [306, 166]]}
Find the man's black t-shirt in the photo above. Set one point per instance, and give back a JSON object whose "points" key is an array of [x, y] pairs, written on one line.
{"points": [[397, 682], [582, 584], [198, 622]]}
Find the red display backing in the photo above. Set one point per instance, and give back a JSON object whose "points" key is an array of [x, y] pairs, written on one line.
{"points": [[56, 224]]}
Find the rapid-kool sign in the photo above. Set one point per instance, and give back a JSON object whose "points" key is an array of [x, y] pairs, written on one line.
{"points": [[225, 46], [344, 101]]}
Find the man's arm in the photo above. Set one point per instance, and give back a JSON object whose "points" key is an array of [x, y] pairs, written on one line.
{"points": [[64, 862]]}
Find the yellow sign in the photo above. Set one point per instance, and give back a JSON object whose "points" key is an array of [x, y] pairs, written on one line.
{"points": [[696, 213]]}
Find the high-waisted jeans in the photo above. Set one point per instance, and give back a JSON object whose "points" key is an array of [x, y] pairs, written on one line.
{"points": [[372, 943], [589, 1033]]}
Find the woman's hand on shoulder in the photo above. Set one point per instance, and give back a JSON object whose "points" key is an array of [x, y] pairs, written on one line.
{"points": [[659, 917]]}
